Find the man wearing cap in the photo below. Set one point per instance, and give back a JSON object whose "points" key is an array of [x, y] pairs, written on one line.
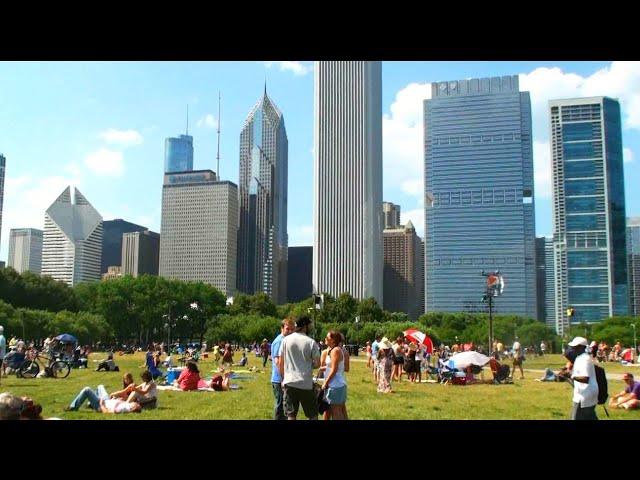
{"points": [[629, 397], [288, 327], [585, 386], [299, 355]]}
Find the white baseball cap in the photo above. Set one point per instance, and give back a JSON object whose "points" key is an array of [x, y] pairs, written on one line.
{"points": [[579, 341]]}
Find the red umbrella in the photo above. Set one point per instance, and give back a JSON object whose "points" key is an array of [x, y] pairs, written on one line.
{"points": [[417, 336]]}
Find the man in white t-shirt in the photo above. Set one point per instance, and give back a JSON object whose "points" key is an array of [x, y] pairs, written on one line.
{"points": [[585, 386], [298, 356]]}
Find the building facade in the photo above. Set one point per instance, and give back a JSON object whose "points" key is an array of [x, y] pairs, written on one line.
{"points": [[588, 210], [112, 232], [262, 234], [633, 264], [112, 273], [25, 250], [479, 198], [140, 253], [299, 274], [403, 271], [390, 215], [347, 248], [545, 281], [178, 154], [72, 240], [3, 164], [198, 236]]}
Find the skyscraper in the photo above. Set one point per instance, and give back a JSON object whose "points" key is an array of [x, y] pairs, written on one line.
{"points": [[633, 264], [479, 197], [403, 271], [140, 253], [391, 215], [347, 249], [25, 250], [300, 267], [588, 210], [112, 231], [72, 239], [545, 283], [262, 236], [178, 154], [198, 233], [3, 162]]}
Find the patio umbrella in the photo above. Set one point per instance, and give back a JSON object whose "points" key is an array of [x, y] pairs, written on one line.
{"points": [[66, 338], [464, 359], [420, 338]]}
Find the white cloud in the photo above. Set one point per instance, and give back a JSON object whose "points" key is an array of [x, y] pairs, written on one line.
{"points": [[300, 235], [125, 138], [417, 218], [208, 121], [298, 68], [105, 162], [542, 169], [627, 155], [403, 135], [26, 200]]}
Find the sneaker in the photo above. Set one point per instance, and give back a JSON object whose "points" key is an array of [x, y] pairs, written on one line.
{"points": [[69, 409]]}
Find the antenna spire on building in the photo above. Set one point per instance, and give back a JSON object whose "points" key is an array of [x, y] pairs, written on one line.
{"points": [[219, 121]]}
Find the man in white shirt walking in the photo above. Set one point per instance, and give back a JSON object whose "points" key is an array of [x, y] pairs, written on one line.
{"points": [[585, 385]]}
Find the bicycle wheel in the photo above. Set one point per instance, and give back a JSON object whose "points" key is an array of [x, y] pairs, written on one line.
{"points": [[60, 369], [29, 369]]}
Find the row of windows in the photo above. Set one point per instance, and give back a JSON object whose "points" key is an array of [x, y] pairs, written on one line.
{"points": [[477, 261], [586, 222], [468, 139], [484, 196]]}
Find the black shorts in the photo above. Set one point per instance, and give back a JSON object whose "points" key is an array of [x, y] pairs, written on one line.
{"points": [[293, 397], [398, 361]]}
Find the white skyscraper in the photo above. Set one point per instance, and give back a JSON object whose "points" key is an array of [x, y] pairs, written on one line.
{"points": [[25, 249], [198, 234], [347, 252], [72, 240]]}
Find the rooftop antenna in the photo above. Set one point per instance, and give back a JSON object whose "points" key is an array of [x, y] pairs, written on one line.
{"points": [[187, 119], [218, 156]]}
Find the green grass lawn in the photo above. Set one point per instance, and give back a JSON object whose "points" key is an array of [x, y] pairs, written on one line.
{"points": [[524, 400]]}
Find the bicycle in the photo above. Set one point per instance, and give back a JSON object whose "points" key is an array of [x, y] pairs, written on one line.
{"points": [[30, 368]]}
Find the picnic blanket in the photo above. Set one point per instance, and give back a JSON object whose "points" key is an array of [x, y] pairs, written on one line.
{"points": [[200, 389]]}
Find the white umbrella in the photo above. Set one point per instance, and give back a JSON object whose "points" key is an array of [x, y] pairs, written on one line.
{"points": [[463, 359]]}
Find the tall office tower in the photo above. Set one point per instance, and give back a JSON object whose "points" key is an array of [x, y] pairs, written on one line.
{"points": [[112, 231], [588, 210], [480, 211], [403, 278], [25, 250], [199, 228], [3, 162], [390, 215], [140, 253], [72, 239], [262, 236], [545, 284], [300, 267], [347, 246], [178, 154], [633, 264], [421, 303]]}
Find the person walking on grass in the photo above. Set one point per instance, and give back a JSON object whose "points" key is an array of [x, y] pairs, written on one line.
{"points": [[288, 327], [518, 358], [385, 362], [585, 385], [398, 359], [332, 362], [375, 346], [299, 355]]}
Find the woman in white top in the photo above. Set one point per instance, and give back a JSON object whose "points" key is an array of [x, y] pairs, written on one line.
{"points": [[335, 384]]}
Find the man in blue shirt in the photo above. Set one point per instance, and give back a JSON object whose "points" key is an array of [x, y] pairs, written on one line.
{"points": [[375, 346], [288, 327]]}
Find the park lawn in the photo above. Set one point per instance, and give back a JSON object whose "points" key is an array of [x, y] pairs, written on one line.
{"points": [[557, 361], [525, 399]]}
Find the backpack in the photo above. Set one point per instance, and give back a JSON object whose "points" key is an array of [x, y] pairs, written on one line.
{"points": [[603, 388]]}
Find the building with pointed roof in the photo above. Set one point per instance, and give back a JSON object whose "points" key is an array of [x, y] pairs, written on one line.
{"points": [[72, 240], [262, 234]]}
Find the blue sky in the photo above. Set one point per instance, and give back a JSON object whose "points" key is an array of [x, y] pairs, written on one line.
{"points": [[101, 126]]}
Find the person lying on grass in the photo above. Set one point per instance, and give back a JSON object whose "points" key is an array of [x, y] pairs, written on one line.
{"points": [[99, 400], [221, 383]]}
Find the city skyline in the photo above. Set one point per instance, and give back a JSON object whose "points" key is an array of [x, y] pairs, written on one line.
{"points": [[110, 136]]}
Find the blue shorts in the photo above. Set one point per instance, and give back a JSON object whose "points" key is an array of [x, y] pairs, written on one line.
{"points": [[336, 396]]}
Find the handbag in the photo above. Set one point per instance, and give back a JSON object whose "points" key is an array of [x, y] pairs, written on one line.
{"points": [[323, 405]]}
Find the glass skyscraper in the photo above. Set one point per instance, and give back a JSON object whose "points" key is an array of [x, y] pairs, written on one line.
{"points": [[588, 210], [479, 202], [178, 154]]}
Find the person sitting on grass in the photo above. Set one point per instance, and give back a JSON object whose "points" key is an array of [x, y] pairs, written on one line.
{"points": [[150, 363], [127, 387], [13, 360], [243, 361], [629, 397], [146, 394], [108, 365], [189, 378]]}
